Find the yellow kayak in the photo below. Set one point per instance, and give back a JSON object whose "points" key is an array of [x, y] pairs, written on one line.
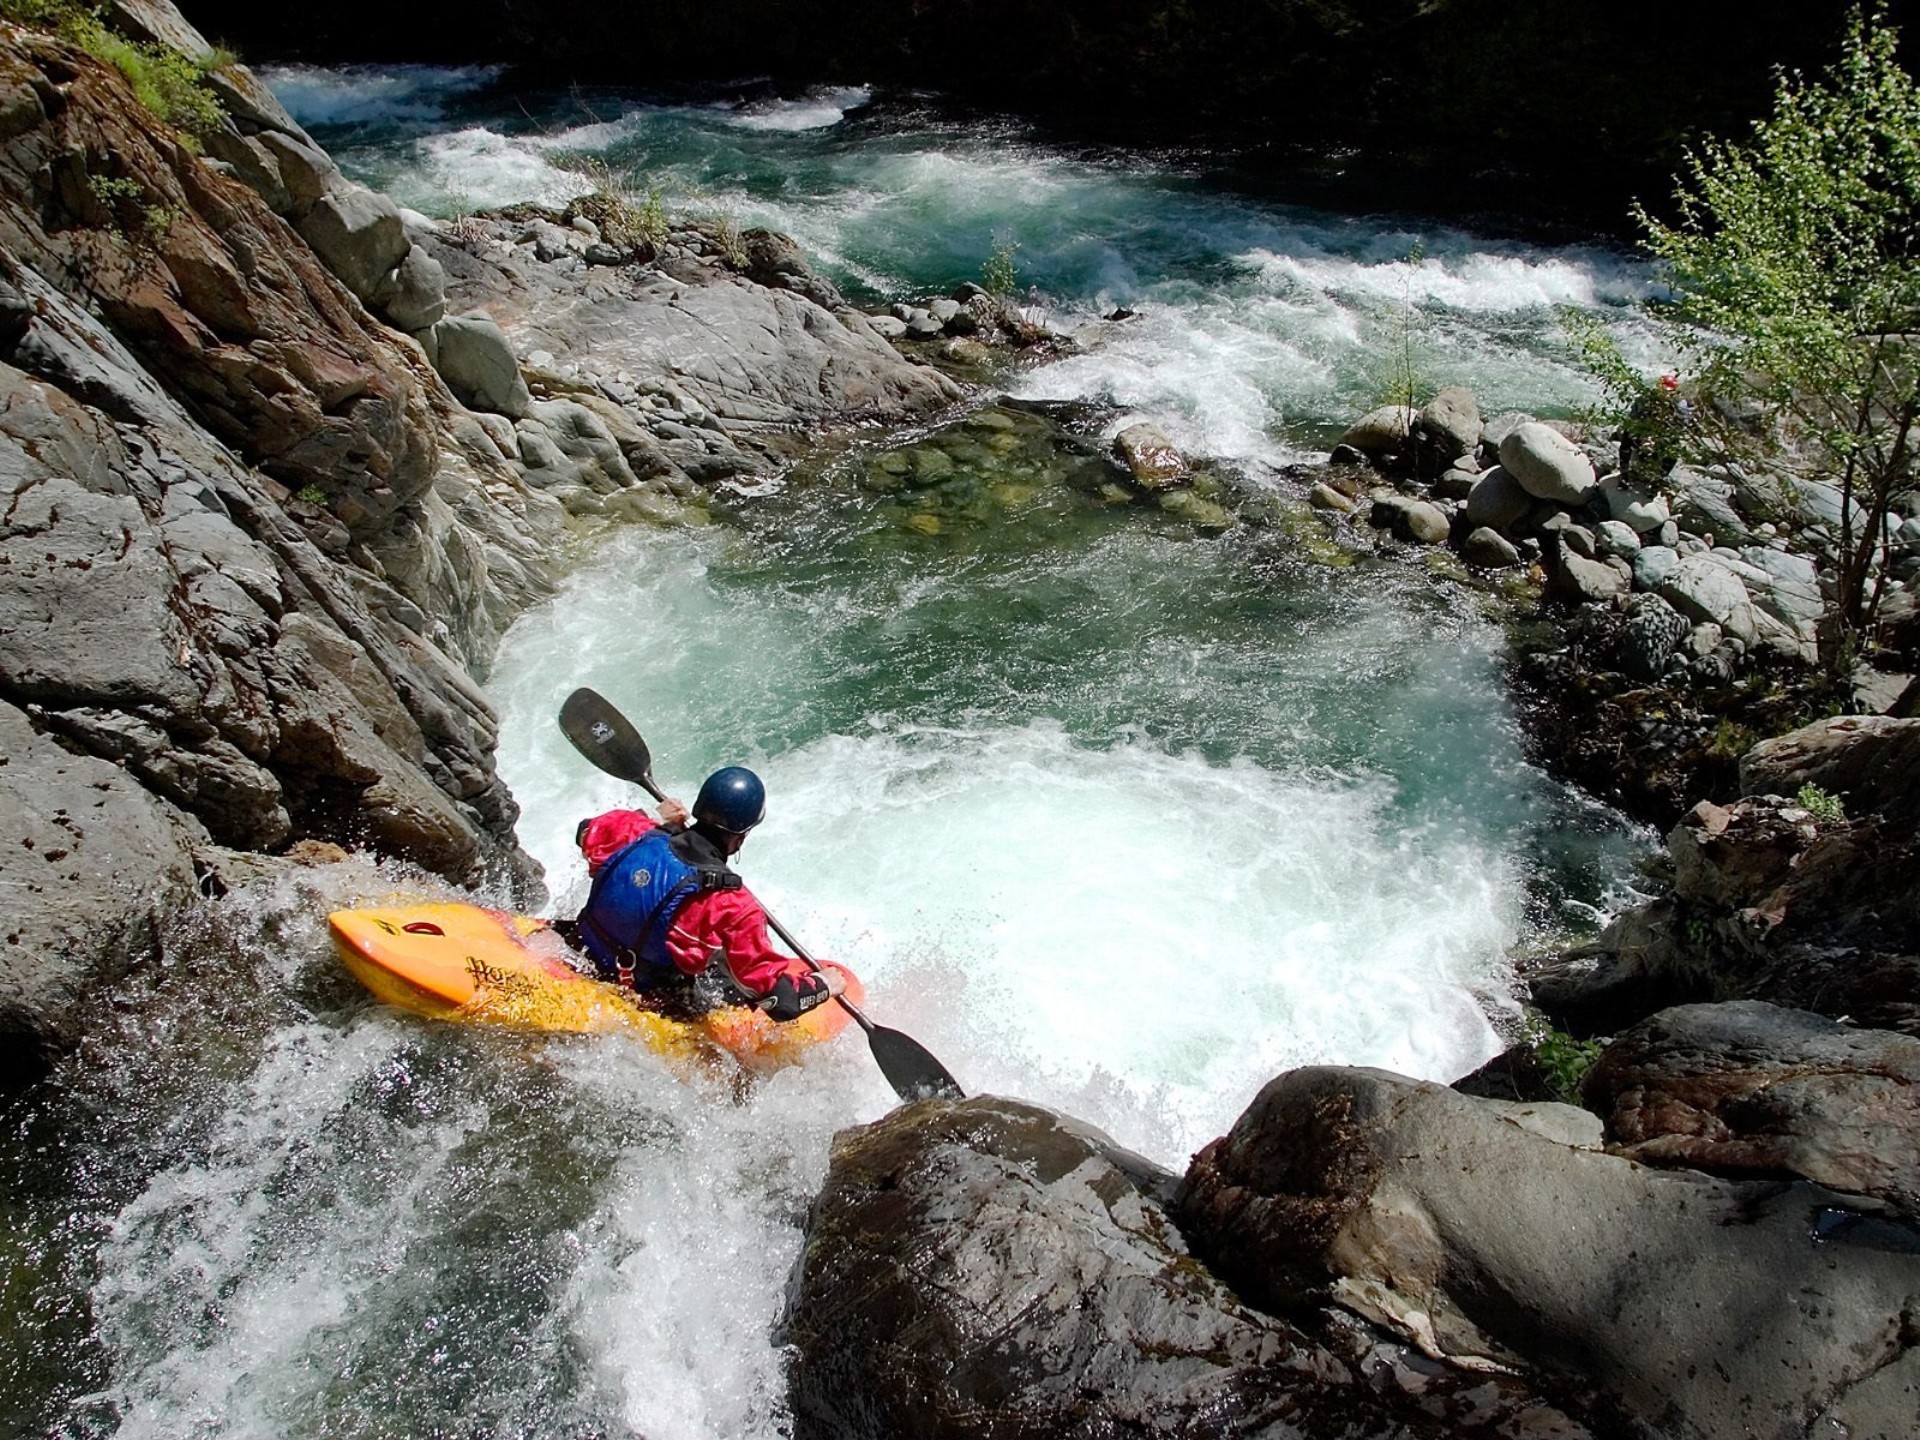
{"points": [[461, 962]]}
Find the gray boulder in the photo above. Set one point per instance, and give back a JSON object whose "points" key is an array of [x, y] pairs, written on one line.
{"points": [[1653, 565], [1455, 1222], [1498, 501], [1489, 549], [477, 363], [1382, 433], [1150, 458], [1548, 465], [1706, 505], [1580, 581], [1642, 509], [1704, 589], [1410, 519], [1752, 1090], [992, 1268], [360, 236], [1870, 761], [1447, 427], [414, 296], [1650, 634]]}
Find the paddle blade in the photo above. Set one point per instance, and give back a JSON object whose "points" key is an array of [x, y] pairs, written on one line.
{"points": [[910, 1069], [604, 736]]}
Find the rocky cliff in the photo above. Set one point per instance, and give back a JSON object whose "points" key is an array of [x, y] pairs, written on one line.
{"points": [[266, 508]]}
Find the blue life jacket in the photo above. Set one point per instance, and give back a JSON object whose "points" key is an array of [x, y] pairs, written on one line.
{"points": [[632, 906]]}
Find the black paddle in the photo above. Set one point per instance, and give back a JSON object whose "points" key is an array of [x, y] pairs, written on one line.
{"points": [[604, 736]]}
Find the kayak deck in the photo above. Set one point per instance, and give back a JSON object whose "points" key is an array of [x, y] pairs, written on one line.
{"points": [[453, 961]]}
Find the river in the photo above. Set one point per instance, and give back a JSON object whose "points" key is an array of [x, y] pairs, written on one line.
{"points": [[1111, 813]]}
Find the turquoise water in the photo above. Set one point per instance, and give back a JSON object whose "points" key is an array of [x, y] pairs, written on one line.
{"points": [[1111, 812]]}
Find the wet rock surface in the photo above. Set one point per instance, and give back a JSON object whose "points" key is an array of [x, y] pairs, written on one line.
{"points": [[1752, 1090], [1653, 1302], [993, 1268]]}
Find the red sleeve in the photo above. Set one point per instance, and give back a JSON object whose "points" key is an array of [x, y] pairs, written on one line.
{"points": [[605, 835], [735, 922]]}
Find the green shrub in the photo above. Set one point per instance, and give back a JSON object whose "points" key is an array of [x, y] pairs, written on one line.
{"points": [[171, 85], [997, 275], [1563, 1059], [1820, 804]]}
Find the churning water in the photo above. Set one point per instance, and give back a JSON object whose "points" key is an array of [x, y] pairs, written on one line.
{"points": [[1110, 813]]}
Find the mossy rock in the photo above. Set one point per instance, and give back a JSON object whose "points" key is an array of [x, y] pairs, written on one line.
{"points": [[922, 523], [1196, 510]]}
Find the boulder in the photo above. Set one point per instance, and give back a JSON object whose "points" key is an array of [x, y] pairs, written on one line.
{"points": [[1615, 537], [990, 1267], [1456, 1222], [1706, 505], [1382, 434], [1489, 549], [1703, 588], [1414, 520], [1497, 501], [1751, 1090], [1150, 458], [478, 365], [1580, 581], [1650, 633], [360, 236], [414, 296], [1643, 509], [1447, 427], [1653, 566], [1871, 761], [1548, 465]]}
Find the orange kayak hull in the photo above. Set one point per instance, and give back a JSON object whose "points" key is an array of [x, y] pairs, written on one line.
{"points": [[464, 963]]}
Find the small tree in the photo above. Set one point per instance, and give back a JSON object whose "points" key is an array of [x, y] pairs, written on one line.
{"points": [[1794, 262]]}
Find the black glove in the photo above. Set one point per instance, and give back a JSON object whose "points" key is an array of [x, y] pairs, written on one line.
{"points": [[794, 995]]}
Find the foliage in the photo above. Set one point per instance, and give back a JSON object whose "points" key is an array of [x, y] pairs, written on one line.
{"points": [[311, 495], [1563, 1060], [169, 84], [1402, 378], [628, 216], [123, 196], [998, 277], [1821, 804], [1794, 260], [1640, 412]]}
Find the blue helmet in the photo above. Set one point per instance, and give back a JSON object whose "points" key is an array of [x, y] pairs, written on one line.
{"points": [[732, 799]]}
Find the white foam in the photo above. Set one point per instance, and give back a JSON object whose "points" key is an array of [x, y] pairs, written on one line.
{"points": [[372, 95], [817, 110]]}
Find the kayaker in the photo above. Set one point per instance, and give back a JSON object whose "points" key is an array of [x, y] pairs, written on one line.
{"points": [[668, 918]]}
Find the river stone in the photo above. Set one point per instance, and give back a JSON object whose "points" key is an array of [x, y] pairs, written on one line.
{"points": [[990, 1267], [1410, 519], [1616, 538], [1705, 505], [1581, 581], [1381, 433], [1650, 634], [1547, 464], [1702, 588], [1456, 483], [1442, 1216], [414, 296], [1654, 564], [92, 866], [1151, 458], [1747, 1089], [1497, 501], [1489, 549], [1447, 428], [1642, 509], [1324, 497], [360, 236], [478, 365]]}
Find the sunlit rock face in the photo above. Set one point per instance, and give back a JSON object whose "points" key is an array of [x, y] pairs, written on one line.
{"points": [[994, 1268]]}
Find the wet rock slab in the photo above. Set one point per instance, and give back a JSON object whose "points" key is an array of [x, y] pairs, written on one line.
{"points": [[993, 1268]]}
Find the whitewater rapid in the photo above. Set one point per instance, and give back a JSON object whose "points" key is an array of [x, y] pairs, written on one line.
{"points": [[1112, 816]]}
